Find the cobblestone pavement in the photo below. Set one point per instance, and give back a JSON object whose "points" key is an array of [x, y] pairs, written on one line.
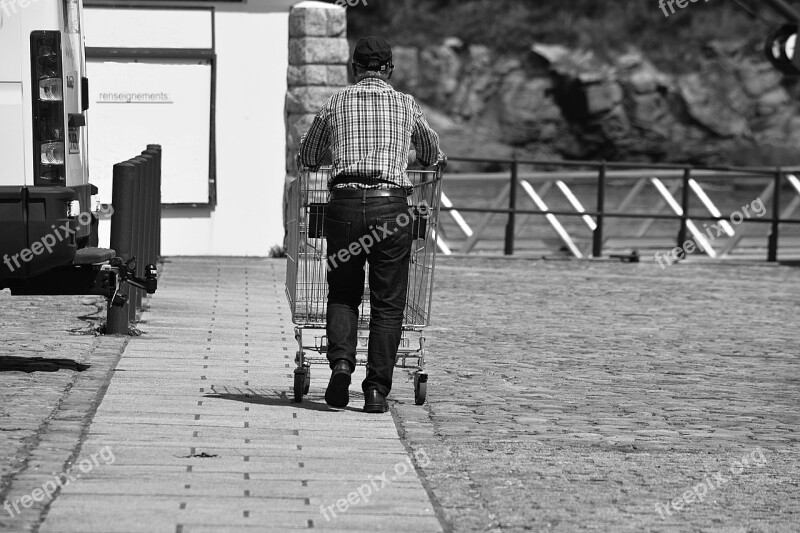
{"points": [[576, 396], [564, 396], [52, 368]]}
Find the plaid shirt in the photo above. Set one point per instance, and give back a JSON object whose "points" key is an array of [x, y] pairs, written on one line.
{"points": [[369, 128]]}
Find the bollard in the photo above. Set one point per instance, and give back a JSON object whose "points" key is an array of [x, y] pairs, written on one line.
{"points": [[144, 212], [123, 195], [147, 209], [157, 151], [135, 234], [154, 150], [135, 227], [138, 226], [152, 209]]}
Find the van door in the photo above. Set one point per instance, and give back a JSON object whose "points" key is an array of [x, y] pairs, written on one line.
{"points": [[12, 131], [12, 135], [75, 101], [10, 44]]}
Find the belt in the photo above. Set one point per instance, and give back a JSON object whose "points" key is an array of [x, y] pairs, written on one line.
{"points": [[344, 194]]}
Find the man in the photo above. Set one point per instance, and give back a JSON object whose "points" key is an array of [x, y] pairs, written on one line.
{"points": [[368, 128]]}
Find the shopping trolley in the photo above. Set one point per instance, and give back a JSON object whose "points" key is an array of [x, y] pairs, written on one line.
{"points": [[307, 285]]}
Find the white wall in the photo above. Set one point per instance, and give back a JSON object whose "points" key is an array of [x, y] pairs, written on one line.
{"points": [[252, 59]]}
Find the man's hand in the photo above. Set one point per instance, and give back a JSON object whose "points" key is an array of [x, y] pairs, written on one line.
{"points": [[416, 164], [300, 165]]}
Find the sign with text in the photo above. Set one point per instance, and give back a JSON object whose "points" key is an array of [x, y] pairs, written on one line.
{"points": [[154, 101]]}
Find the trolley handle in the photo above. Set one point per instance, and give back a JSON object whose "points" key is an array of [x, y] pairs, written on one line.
{"points": [[441, 165], [315, 168]]}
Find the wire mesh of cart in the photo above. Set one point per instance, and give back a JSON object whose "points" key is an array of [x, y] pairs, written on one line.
{"points": [[307, 284]]}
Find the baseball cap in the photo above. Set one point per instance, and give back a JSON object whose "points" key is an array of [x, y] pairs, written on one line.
{"points": [[372, 53]]}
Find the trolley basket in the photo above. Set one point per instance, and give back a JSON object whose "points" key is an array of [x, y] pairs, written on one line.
{"points": [[307, 267]]}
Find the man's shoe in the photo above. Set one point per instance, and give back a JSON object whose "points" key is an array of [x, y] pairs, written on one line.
{"points": [[375, 402], [338, 391]]}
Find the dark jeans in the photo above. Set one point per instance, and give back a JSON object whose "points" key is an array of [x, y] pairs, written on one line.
{"points": [[357, 231]]}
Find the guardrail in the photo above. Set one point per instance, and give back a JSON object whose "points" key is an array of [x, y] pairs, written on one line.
{"points": [[685, 180]]}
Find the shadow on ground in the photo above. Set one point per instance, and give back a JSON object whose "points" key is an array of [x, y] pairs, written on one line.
{"points": [[10, 363], [275, 397]]}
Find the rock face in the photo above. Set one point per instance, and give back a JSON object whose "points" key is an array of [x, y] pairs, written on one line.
{"points": [[563, 103]]}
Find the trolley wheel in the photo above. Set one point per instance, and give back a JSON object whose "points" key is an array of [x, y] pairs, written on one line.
{"points": [[299, 384], [420, 387], [307, 380]]}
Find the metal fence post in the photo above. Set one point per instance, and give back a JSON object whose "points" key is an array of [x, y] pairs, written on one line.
{"points": [[772, 253], [122, 198], [512, 205], [687, 174], [597, 237]]}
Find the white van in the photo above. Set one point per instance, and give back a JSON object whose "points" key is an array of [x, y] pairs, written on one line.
{"points": [[46, 217]]}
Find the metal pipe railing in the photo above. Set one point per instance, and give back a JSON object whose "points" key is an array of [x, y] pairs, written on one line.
{"points": [[687, 175], [512, 205], [611, 174], [637, 216], [619, 165], [603, 171], [597, 234], [772, 254]]}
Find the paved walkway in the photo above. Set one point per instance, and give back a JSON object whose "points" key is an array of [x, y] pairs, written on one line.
{"points": [[197, 433]]}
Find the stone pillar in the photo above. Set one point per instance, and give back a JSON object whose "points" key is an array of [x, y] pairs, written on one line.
{"points": [[318, 59]]}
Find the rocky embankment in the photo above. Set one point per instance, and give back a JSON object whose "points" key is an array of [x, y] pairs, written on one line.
{"points": [[560, 103]]}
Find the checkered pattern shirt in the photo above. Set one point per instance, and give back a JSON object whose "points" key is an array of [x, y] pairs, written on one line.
{"points": [[369, 128]]}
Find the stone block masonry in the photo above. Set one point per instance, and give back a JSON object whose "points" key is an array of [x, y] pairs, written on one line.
{"points": [[318, 58]]}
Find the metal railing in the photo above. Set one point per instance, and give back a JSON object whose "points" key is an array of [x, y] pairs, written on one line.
{"points": [[685, 181]]}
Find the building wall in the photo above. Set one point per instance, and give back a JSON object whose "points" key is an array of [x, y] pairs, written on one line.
{"points": [[252, 61]]}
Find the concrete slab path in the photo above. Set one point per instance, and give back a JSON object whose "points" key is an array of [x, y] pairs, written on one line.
{"points": [[197, 431]]}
